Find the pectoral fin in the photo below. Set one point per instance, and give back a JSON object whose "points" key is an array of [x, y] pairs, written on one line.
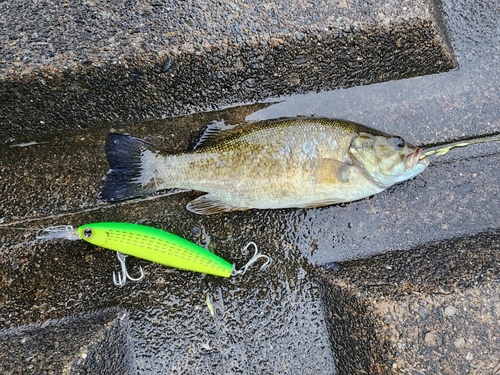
{"points": [[332, 171], [208, 204]]}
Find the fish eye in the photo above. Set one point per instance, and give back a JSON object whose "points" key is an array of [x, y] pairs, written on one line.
{"points": [[87, 232], [398, 142]]}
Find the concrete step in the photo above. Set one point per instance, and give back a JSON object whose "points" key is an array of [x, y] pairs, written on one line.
{"points": [[432, 310], [92, 343], [67, 66]]}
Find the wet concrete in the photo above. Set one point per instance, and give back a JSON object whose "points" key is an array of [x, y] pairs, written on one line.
{"points": [[266, 321], [72, 65], [311, 312], [93, 343]]}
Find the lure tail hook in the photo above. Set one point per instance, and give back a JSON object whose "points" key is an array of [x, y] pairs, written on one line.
{"points": [[120, 279], [254, 259]]}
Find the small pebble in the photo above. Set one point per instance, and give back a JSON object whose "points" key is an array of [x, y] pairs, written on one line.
{"points": [[167, 64], [420, 183], [333, 266], [422, 313], [299, 36], [250, 82], [432, 339], [459, 343], [450, 311]]}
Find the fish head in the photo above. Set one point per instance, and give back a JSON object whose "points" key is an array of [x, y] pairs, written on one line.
{"points": [[93, 234], [386, 159]]}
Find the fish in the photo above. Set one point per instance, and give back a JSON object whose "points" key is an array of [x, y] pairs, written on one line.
{"points": [[299, 162]]}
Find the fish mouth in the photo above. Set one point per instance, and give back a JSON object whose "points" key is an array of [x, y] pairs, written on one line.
{"points": [[413, 159]]}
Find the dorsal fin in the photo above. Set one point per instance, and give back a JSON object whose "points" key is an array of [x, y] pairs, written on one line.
{"points": [[218, 131], [212, 133]]}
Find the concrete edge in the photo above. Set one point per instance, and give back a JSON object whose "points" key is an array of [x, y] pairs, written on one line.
{"points": [[183, 81], [355, 328]]}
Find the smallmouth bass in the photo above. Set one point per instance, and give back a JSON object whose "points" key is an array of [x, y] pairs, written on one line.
{"points": [[283, 163]]}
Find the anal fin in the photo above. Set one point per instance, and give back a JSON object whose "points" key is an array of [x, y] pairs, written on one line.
{"points": [[207, 204]]}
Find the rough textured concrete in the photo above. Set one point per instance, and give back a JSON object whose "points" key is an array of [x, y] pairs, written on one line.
{"points": [[70, 65], [270, 321], [430, 309], [94, 343]]}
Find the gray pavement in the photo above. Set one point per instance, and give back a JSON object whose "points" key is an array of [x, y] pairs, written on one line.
{"points": [[334, 300]]}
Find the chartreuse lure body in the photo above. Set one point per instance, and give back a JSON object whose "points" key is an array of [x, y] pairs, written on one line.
{"points": [[151, 244], [154, 245]]}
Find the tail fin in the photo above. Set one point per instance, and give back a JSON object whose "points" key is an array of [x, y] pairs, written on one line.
{"points": [[125, 178]]}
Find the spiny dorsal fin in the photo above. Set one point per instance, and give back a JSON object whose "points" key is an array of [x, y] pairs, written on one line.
{"points": [[214, 132], [218, 131]]}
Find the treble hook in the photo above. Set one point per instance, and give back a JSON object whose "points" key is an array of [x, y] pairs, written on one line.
{"points": [[255, 257], [121, 279]]}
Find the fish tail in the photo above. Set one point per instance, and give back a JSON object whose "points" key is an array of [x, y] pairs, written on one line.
{"points": [[127, 176]]}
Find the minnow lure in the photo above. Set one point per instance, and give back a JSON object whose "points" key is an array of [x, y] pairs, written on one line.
{"points": [[151, 244], [441, 150]]}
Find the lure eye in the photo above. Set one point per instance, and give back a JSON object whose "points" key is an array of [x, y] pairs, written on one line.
{"points": [[87, 232], [398, 142]]}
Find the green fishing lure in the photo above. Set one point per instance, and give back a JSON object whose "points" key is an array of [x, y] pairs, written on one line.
{"points": [[156, 246], [151, 244]]}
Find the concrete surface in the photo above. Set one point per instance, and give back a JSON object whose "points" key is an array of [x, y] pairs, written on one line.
{"points": [[71, 65], [94, 343], [431, 309]]}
